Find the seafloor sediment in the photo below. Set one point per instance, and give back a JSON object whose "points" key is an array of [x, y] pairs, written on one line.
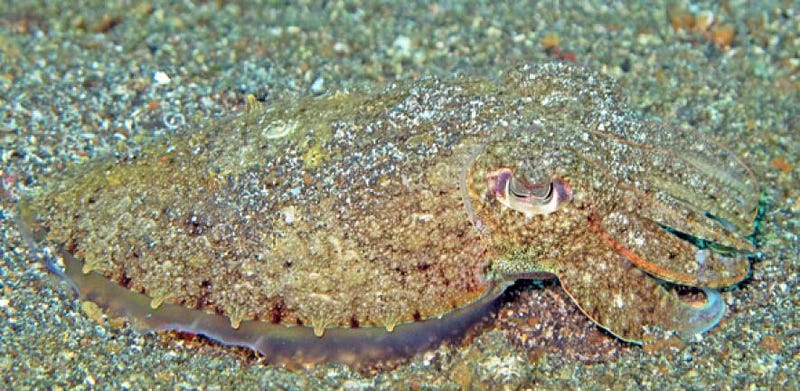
{"points": [[77, 82]]}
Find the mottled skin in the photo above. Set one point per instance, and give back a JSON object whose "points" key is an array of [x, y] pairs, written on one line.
{"points": [[377, 209]]}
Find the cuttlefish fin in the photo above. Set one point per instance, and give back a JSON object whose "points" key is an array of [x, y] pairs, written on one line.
{"points": [[627, 302]]}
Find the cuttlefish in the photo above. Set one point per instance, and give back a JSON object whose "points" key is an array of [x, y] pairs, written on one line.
{"points": [[365, 226]]}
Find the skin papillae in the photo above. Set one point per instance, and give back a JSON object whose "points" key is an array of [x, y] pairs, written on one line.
{"points": [[365, 227]]}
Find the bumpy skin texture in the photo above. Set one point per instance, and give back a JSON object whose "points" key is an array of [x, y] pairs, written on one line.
{"points": [[375, 209]]}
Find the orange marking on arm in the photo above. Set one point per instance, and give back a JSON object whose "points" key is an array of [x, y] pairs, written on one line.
{"points": [[652, 268]]}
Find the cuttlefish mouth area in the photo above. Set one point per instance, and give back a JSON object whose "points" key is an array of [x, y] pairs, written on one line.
{"points": [[525, 197]]}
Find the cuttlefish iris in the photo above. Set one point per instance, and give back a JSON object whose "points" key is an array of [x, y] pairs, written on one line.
{"points": [[362, 227]]}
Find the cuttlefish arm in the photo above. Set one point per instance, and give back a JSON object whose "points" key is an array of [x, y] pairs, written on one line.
{"points": [[683, 206], [619, 297]]}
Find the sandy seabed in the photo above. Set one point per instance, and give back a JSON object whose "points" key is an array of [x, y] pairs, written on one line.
{"points": [[85, 80]]}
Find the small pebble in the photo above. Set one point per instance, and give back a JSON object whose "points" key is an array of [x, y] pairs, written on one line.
{"points": [[161, 78]]}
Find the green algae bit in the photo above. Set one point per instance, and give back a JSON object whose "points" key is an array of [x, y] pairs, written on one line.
{"points": [[367, 227]]}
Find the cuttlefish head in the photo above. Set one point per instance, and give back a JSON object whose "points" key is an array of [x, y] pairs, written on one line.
{"points": [[614, 228]]}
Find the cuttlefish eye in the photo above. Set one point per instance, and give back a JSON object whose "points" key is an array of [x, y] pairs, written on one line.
{"points": [[526, 197]]}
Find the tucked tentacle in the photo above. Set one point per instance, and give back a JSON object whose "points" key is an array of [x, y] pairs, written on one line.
{"points": [[627, 302], [666, 256]]}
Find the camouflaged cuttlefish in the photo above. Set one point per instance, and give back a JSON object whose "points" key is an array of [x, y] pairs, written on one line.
{"points": [[360, 227]]}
